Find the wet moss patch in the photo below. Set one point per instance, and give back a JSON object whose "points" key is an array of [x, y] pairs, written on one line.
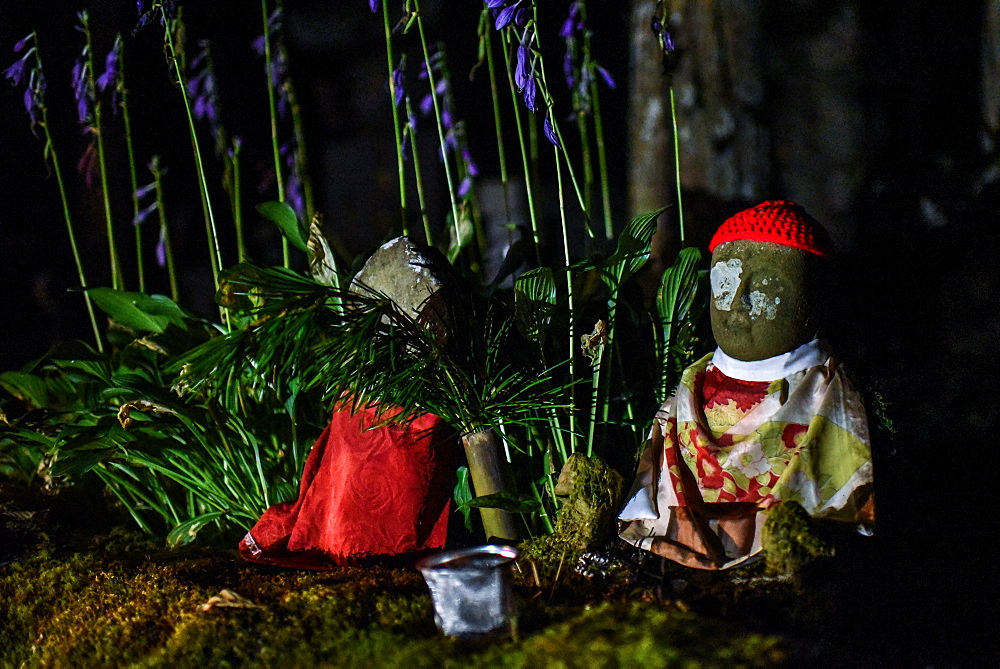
{"points": [[127, 602]]}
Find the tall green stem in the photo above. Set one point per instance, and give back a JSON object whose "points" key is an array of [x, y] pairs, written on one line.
{"points": [[214, 255], [116, 267], [569, 301], [168, 248], [395, 117], [50, 152], [535, 232], [437, 119], [602, 162], [273, 109], [133, 179], [237, 200], [677, 163], [495, 97], [415, 156]]}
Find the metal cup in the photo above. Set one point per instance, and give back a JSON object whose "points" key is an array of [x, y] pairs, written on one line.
{"points": [[471, 590]]}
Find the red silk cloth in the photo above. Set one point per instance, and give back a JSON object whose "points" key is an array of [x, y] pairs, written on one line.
{"points": [[366, 493]]}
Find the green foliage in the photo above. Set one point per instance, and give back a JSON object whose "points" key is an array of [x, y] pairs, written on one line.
{"points": [[679, 310], [141, 312], [283, 216]]}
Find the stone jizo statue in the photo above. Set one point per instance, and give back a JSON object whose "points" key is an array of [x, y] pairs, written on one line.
{"points": [[768, 418]]}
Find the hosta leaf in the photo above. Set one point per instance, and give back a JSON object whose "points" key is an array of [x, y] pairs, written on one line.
{"points": [[677, 290], [139, 311], [535, 303], [184, 533], [633, 249], [287, 221]]}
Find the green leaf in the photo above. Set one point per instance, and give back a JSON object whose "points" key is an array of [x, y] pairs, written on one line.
{"points": [[463, 495], [508, 501], [139, 311], [633, 250], [30, 389], [287, 221], [184, 533], [535, 303]]}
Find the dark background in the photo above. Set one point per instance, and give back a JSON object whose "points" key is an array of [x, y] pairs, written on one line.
{"points": [[915, 218]]}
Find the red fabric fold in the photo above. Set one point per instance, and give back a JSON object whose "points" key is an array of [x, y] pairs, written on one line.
{"points": [[367, 493]]}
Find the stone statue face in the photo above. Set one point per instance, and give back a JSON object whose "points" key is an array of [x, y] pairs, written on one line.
{"points": [[760, 303]]}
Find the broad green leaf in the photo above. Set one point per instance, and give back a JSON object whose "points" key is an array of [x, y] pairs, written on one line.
{"points": [[139, 311], [508, 501], [535, 303], [633, 250], [30, 389], [463, 495], [287, 221], [184, 533], [677, 290]]}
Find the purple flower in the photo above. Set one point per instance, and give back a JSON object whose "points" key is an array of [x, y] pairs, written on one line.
{"points": [[494, 4], [446, 119], [521, 73], [606, 76], [201, 88], [161, 249], [143, 214], [143, 191], [397, 79], [15, 73], [662, 35], [568, 70], [82, 91], [23, 42], [464, 187], [570, 23], [469, 164], [110, 66], [426, 104], [373, 5], [550, 132], [530, 93], [507, 15]]}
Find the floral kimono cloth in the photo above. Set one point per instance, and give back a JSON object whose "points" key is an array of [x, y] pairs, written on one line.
{"points": [[725, 449]]}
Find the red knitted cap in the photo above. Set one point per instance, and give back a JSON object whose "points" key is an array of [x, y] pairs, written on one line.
{"points": [[778, 222]]}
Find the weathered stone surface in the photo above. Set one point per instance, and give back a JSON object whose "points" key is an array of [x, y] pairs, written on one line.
{"points": [[411, 275]]}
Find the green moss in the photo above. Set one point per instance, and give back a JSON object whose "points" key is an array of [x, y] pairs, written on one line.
{"points": [[790, 539], [127, 603], [591, 491]]}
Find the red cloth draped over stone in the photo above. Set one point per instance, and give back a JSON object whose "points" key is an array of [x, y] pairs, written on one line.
{"points": [[366, 493]]}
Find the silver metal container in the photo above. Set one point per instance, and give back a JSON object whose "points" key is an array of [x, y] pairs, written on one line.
{"points": [[471, 590]]}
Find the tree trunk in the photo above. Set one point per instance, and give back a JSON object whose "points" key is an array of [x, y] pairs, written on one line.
{"points": [[482, 449]]}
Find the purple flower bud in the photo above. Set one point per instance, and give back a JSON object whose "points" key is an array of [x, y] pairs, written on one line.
{"points": [[550, 132], [606, 76], [668, 43], [521, 74], [373, 5], [446, 119], [507, 15], [530, 93], [161, 250], [144, 190], [469, 164], [655, 25], [23, 42], [259, 45], [426, 104], [464, 187], [522, 16], [441, 87], [493, 4], [450, 140], [397, 80], [144, 214], [568, 70], [110, 66]]}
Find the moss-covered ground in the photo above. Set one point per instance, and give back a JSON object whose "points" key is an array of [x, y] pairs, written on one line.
{"points": [[78, 588]]}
